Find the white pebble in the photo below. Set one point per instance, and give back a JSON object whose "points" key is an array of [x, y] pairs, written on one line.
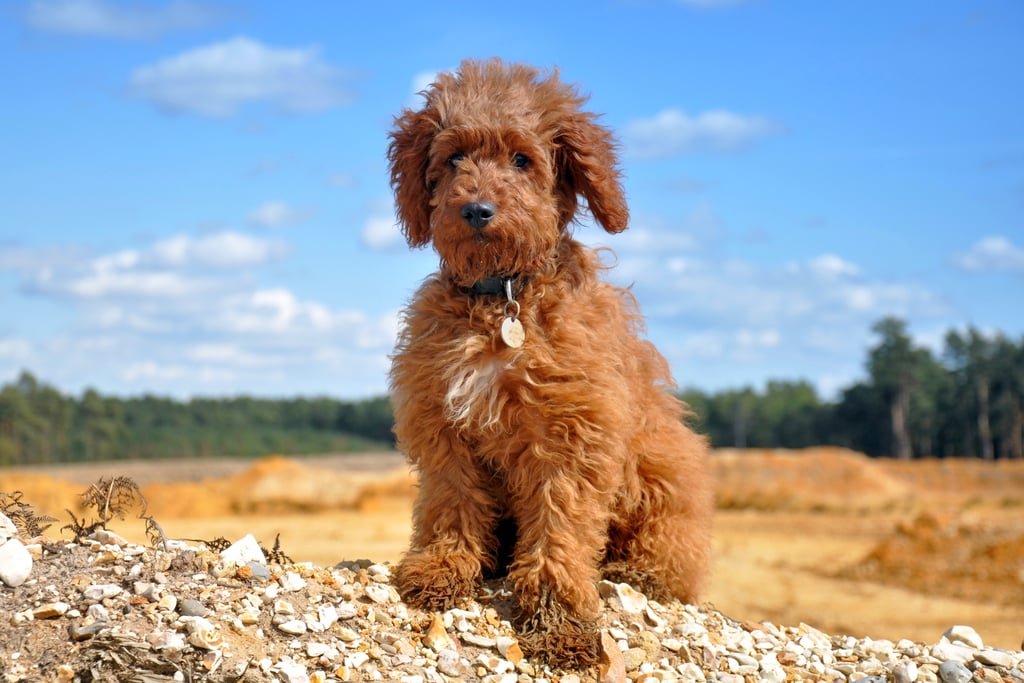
{"points": [[964, 635], [15, 563], [244, 550]]}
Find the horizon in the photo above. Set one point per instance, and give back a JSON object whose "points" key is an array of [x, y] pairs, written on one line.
{"points": [[197, 199]]}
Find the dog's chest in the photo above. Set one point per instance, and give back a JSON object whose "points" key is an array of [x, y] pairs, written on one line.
{"points": [[477, 390]]}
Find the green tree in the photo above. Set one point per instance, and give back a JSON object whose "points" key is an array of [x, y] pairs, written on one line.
{"points": [[1008, 389], [894, 365], [971, 357]]}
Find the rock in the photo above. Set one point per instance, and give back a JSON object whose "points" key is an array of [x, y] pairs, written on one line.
{"points": [[994, 657], [291, 582], [380, 593], [954, 672], [107, 537], [623, 597], [15, 563], [86, 631], [101, 591], [203, 634], [437, 637], [947, 651], [7, 529], [51, 610], [905, 672], [291, 671], [633, 657], [963, 635], [295, 627], [450, 664], [258, 570], [612, 666], [192, 608], [244, 551]]}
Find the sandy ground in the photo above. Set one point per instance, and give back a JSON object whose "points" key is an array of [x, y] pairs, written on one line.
{"points": [[809, 552]]}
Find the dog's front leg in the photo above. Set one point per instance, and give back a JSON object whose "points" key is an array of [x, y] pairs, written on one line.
{"points": [[453, 531], [561, 509]]}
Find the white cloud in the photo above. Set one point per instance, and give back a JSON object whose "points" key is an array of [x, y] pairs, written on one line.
{"points": [[104, 19], [171, 268], [225, 249], [276, 214], [15, 349], [673, 132], [217, 80], [989, 254], [189, 314], [381, 234], [832, 267]]}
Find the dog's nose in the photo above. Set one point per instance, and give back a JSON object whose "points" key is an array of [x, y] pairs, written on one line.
{"points": [[478, 214]]}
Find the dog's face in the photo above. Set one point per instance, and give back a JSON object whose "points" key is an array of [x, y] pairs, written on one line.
{"points": [[491, 168]]}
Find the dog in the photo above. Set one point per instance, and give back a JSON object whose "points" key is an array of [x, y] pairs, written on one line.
{"points": [[548, 446]]}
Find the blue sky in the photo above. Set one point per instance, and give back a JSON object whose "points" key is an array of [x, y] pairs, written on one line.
{"points": [[195, 196]]}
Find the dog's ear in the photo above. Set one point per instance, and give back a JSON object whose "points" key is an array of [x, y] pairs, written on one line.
{"points": [[409, 156], [589, 166]]}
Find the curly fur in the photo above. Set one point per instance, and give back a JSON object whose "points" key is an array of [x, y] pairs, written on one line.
{"points": [[572, 438]]}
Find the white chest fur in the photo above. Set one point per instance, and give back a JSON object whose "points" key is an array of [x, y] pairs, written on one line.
{"points": [[476, 391]]}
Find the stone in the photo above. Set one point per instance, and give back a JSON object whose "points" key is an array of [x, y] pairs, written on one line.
{"points": [[947, 651], [295, 627], [15, 563], [437, 637], [612, 666], [86, 631], [291, 582], [963, 635], [51, 610], [450, 664], [994, 657], [954, 672], [244, 550], [380, 593], [905, 672], [192, 608], [623, 596], [633, 657], [101, 591], [7, 529]]}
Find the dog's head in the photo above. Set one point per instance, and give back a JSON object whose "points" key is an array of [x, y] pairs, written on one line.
{"points": [[492, 167]]}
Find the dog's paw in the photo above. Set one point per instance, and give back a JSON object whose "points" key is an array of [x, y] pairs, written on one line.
{"points": [[435, 581], [555, 632], [561, 641]]}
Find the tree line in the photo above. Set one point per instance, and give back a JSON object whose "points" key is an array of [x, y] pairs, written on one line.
{"points": [[39, 424], [967, 401]]}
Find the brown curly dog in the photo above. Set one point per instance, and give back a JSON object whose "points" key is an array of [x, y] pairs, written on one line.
{"points": [[541, 425]]}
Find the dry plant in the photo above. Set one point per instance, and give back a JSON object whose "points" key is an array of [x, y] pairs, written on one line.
{"points": [[24, 517], [110, 498]]}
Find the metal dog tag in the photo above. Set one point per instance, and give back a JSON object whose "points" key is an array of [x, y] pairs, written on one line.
{"points": [[512, 332]]}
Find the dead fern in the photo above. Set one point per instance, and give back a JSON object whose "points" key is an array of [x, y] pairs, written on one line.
{"points": [[110, 498], [275, 554], [25, 519]]}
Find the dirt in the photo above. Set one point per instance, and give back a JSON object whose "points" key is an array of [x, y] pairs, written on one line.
{"points": [[823, 536]]}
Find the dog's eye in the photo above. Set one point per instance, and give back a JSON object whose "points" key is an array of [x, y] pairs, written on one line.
{"points": [[454, 159], [520, 161]]}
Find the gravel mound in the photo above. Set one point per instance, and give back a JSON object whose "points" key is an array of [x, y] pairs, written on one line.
{"points": [[104, 609]]}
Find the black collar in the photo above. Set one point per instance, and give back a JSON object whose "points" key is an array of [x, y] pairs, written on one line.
{"points": [[496, 285]]}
